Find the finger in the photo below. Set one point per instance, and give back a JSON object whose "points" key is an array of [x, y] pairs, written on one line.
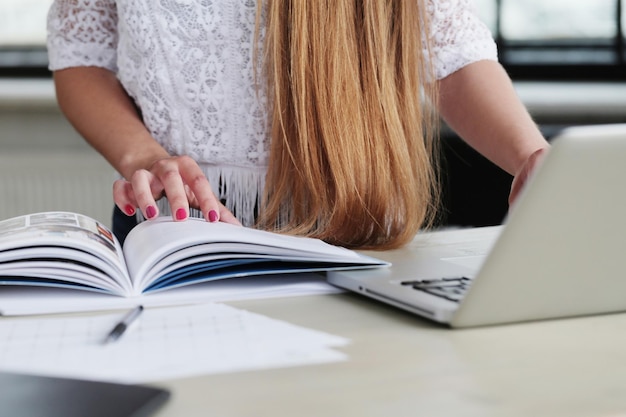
{"points": [[142, 184], [227, 217], [168, 173], [200, 189], [124, 198]]}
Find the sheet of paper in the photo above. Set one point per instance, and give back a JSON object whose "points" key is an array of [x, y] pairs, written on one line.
{"points": [[16, 301], [165, 343]]}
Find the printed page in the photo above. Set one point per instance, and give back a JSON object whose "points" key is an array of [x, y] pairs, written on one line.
{"points": [[78, 242], [165, 343]]}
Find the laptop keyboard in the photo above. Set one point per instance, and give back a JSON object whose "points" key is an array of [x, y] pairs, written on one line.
{"points": [[452, 289]]}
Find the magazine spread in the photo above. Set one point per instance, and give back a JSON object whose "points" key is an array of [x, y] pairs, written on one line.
{"points": [[73, 251]]}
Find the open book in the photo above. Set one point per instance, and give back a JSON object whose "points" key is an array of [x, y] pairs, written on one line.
{"points": [[73, 251]]}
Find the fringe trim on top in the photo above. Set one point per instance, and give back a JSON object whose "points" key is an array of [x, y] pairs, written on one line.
{"points": [[240, 189]]}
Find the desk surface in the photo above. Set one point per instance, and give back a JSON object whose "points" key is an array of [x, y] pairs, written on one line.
{"points": [[400, 365]]}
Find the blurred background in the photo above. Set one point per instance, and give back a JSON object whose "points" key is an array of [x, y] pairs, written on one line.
{"points": [[567, 59]]}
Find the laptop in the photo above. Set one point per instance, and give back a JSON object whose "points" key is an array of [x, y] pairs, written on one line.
{"points": [[559, 253]]}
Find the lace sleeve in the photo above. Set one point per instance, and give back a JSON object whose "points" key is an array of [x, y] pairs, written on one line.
{"points": [[82, 33], [458, 37]]}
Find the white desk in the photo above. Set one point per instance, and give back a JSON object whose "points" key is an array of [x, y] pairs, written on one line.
{"points": [[401, 365]]}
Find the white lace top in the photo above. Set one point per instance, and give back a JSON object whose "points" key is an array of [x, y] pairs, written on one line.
{"points": [[188, 66]]}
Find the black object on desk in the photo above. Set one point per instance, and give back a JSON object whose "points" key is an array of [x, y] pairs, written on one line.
{"points": [[124, 324], [39, 396]]}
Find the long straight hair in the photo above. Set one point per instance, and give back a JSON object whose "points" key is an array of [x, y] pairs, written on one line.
{"points": [[352, 158]]}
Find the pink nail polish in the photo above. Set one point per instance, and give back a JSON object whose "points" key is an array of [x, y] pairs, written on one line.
{"points": [[181, 214], [151, 211], [130, 210], [212, 216]]}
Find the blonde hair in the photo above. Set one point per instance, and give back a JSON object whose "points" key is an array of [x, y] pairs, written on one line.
{"points": [[352, 133]]}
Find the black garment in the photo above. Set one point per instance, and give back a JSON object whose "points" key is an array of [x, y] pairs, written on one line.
{"points": [[122, 224]]}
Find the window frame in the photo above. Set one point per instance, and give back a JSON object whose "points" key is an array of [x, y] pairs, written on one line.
{"points": [[528, 69], [24, 62]]}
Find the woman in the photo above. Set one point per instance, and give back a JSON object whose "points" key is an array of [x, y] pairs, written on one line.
{"points": [[305, 117]]}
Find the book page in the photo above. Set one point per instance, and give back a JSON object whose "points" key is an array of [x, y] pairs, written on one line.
{"points": [[152, 241], [22, 300], [76, 241]]}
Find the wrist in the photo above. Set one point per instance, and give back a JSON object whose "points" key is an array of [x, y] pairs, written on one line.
{"points": [[131, 162]]}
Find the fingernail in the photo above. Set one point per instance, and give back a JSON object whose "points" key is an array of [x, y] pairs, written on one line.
{"points": [[181, 214], [130, 210], [212, 216], [151, 211]]}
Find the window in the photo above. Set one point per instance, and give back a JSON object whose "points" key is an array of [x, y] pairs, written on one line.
{"points": [[537, 39], [23, 37], [559, 39]]}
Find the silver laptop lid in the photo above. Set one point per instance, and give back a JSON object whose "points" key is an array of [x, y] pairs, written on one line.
{"points": [[562, 252]]}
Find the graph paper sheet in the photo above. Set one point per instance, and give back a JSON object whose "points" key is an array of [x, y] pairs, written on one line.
{"points": [[166, 343]]}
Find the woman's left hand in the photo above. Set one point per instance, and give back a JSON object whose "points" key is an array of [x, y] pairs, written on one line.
{"points": [[521, 177]]}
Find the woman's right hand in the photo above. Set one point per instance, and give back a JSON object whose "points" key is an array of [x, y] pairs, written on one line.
{"points": [[181, 180], [116, 130]]}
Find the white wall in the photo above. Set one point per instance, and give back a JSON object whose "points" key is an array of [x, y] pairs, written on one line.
{"points": [[44, 163]]}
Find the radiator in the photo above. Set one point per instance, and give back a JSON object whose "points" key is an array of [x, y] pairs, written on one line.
{"points": [[78, 181]]}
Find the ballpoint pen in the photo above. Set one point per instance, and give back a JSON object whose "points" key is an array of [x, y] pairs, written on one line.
{"points": [[123, 324]]}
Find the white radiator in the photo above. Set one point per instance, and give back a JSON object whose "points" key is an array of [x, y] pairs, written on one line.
{"points": [[78, 181]]}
